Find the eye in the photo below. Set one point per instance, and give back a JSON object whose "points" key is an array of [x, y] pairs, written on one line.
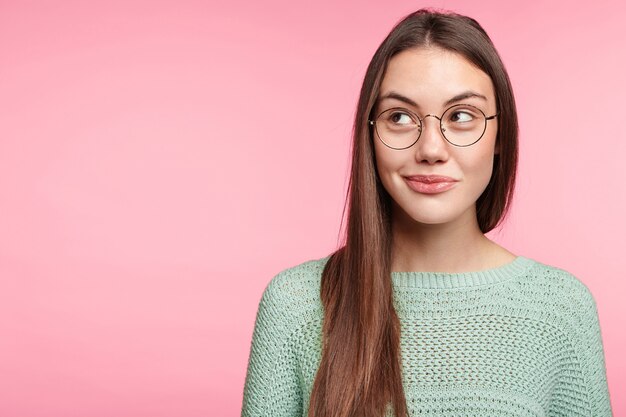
{"points": [[398, 117], [462, 116]]}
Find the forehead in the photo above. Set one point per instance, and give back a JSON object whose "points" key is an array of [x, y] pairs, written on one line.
{"points": [[431, 76]]}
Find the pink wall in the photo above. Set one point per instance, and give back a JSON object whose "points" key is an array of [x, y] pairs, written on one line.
{"points": [[161, 161]]}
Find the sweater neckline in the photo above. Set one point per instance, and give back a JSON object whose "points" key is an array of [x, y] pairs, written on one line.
{"points": [[418, 279]]}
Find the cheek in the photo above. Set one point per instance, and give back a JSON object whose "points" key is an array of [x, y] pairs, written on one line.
{"points": [[385, 167], [480, 169], [487, 169], [386, 163], [379, 157]]}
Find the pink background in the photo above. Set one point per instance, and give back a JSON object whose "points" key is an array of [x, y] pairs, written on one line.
{"points": [[161, 161]]}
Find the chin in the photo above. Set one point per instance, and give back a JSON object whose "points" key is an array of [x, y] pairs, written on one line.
{"points": [[431, 217], [431, 220]]}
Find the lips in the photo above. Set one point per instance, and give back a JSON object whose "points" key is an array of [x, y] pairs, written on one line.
{"points": [[430, 184]]}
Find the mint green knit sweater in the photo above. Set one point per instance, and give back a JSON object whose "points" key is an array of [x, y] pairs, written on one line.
{"points": [[519, 340]]}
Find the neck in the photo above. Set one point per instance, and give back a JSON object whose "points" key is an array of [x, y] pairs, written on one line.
{"points": [[458, 246]]}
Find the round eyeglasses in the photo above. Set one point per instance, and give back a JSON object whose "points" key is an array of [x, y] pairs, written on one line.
{"points": [[461, 125]]}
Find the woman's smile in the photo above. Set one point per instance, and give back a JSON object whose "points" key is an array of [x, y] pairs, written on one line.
{"points": [[430, 184]]}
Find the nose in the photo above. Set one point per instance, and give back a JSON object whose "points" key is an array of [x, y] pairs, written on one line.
{"points": [[431, 147]]}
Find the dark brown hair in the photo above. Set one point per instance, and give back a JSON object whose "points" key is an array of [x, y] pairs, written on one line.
{"points": [[360, 369]]}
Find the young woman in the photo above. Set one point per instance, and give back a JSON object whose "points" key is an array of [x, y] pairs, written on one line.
{"points": [[419, 313]]}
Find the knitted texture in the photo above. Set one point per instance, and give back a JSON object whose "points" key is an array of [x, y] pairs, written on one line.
{"points": [[519, 340]]}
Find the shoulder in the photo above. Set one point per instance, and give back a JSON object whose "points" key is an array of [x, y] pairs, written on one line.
{"points": [[295, 291], [292, 282], [559, 283], [560, 292]]}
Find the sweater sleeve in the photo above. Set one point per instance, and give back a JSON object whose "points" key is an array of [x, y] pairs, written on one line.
{"points": [[272, 387], [584, 382]]}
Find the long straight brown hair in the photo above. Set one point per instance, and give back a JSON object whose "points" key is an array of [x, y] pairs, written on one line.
{"points": [[360, 370]]}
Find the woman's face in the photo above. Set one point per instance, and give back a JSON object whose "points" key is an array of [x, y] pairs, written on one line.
{"points": [[427, 81]]}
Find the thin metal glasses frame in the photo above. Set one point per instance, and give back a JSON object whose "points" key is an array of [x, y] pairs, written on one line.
{"points": [[441, 128]]}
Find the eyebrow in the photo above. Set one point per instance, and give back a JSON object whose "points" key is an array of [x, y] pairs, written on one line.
{"points": [[464, 95]]}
